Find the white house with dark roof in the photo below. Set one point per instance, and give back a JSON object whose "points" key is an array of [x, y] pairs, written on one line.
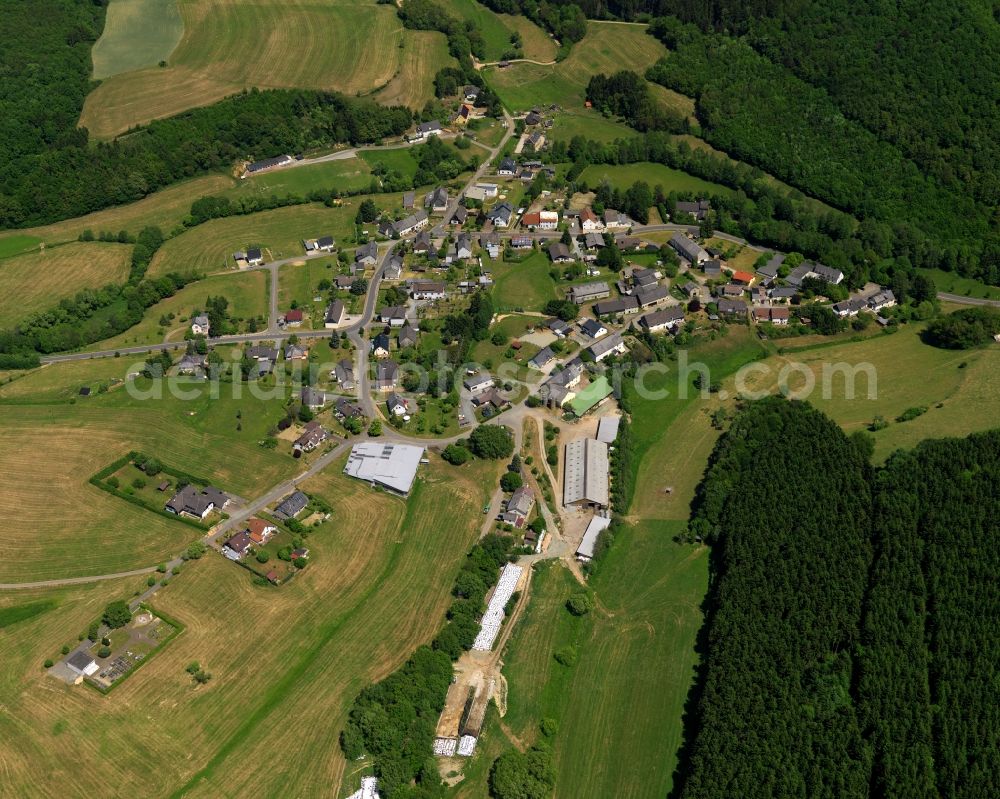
{"points": [[425, 129], [200, 325]]}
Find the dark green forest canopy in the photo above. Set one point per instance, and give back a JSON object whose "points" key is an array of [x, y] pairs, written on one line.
{"points": [[851, 639]]}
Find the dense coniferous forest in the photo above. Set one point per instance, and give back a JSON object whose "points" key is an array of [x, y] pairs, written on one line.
{"points": [[851, 637], [775, 717], [60, 174]]}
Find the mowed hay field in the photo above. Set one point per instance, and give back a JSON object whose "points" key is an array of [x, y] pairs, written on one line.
{"points": [[137, 34], [64, 526], [607, 48], [424, 53], [623, 176], [229, 45], [286, 662], [37, 281]]}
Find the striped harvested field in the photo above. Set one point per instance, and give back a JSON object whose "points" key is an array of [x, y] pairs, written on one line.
{"points": [[229, 45], [286, 662]]}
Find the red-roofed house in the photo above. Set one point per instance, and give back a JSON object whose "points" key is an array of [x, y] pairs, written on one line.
{"points": [[293, 317], [259, 530], [589, 221], [743, 277]]}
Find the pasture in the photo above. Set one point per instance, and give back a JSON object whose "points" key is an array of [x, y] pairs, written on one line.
{"points": [[228, 46], [246, 292], [137, 34], [377, 588], [17, 243], [953, 283], [654, 174], [607, 48], [536, 43], [39, 280], [297, 282], [525, 285]]}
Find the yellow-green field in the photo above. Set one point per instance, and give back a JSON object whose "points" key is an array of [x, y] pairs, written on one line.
{"points": [[228, 45], [286, 663], [607, 47], [537, 44], [35, 282], [137, 34], [246, 292], [623, 176], [424, 53]]}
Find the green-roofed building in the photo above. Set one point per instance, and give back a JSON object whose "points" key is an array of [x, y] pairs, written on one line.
{"points": [[598, 390]]}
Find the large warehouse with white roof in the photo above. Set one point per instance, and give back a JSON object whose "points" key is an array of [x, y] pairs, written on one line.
{"points": [[392, 466], [585, 478]]}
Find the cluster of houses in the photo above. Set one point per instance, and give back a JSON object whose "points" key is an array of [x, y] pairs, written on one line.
{"points": [[256, 532]]}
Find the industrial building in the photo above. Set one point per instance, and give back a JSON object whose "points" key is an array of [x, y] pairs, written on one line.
{"points": [[585, 478], [392, 466]]}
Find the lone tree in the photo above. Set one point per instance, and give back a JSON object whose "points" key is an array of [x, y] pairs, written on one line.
{"points": [[491, 441], [117, 614]]}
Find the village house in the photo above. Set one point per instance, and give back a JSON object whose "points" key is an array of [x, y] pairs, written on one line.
{"points": [[850, 307], [589, 221], [366, 254], [593, 328], [500, 214], [559, 253], [558, 327], [478, 383], [688, 249], [422, 243], [883, 299], [407, 336], [345, 409], [713, 268], [262, 352], [558, 389], [200, 325], [393, 315], [343, 373], [335, 314], [396, 404], [775, 315], [615, 219], [393, 269], [428, 289], [425, 129], [458, 218], [322, 244], [255, 257], [699, 210], [519, 507], [381, 345], [292, 506], [540, 220], [295, 352], [386, 375], [293, 317], [651, 295], [197, 503], [664, 319], [312, 398], [508, 167], [237, 546], [437, 200], [729, 307], [409, 200], [260, 530], [691, 290], [742, 278], [313, 435], [544, 357]]}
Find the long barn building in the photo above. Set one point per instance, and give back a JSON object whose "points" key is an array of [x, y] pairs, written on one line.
{"points": [[585, 475]]}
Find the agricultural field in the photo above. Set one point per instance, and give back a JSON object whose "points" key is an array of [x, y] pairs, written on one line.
{"points": [[228, 46], [607, 48], [588, 123], [424, 54], [359, 609], [654, 174], [525, 285], [246, 292], [166, 209], [137, 34], [496, 33], [37, 281], [537, 44], [79, 529]]}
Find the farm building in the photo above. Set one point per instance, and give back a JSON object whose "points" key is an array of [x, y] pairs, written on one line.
{"points": [[612, 345], [688, 249], [392, 466], [256, 167], [588, 292], [585, 482], [585, 551], [607, 429], [663, 319]]}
